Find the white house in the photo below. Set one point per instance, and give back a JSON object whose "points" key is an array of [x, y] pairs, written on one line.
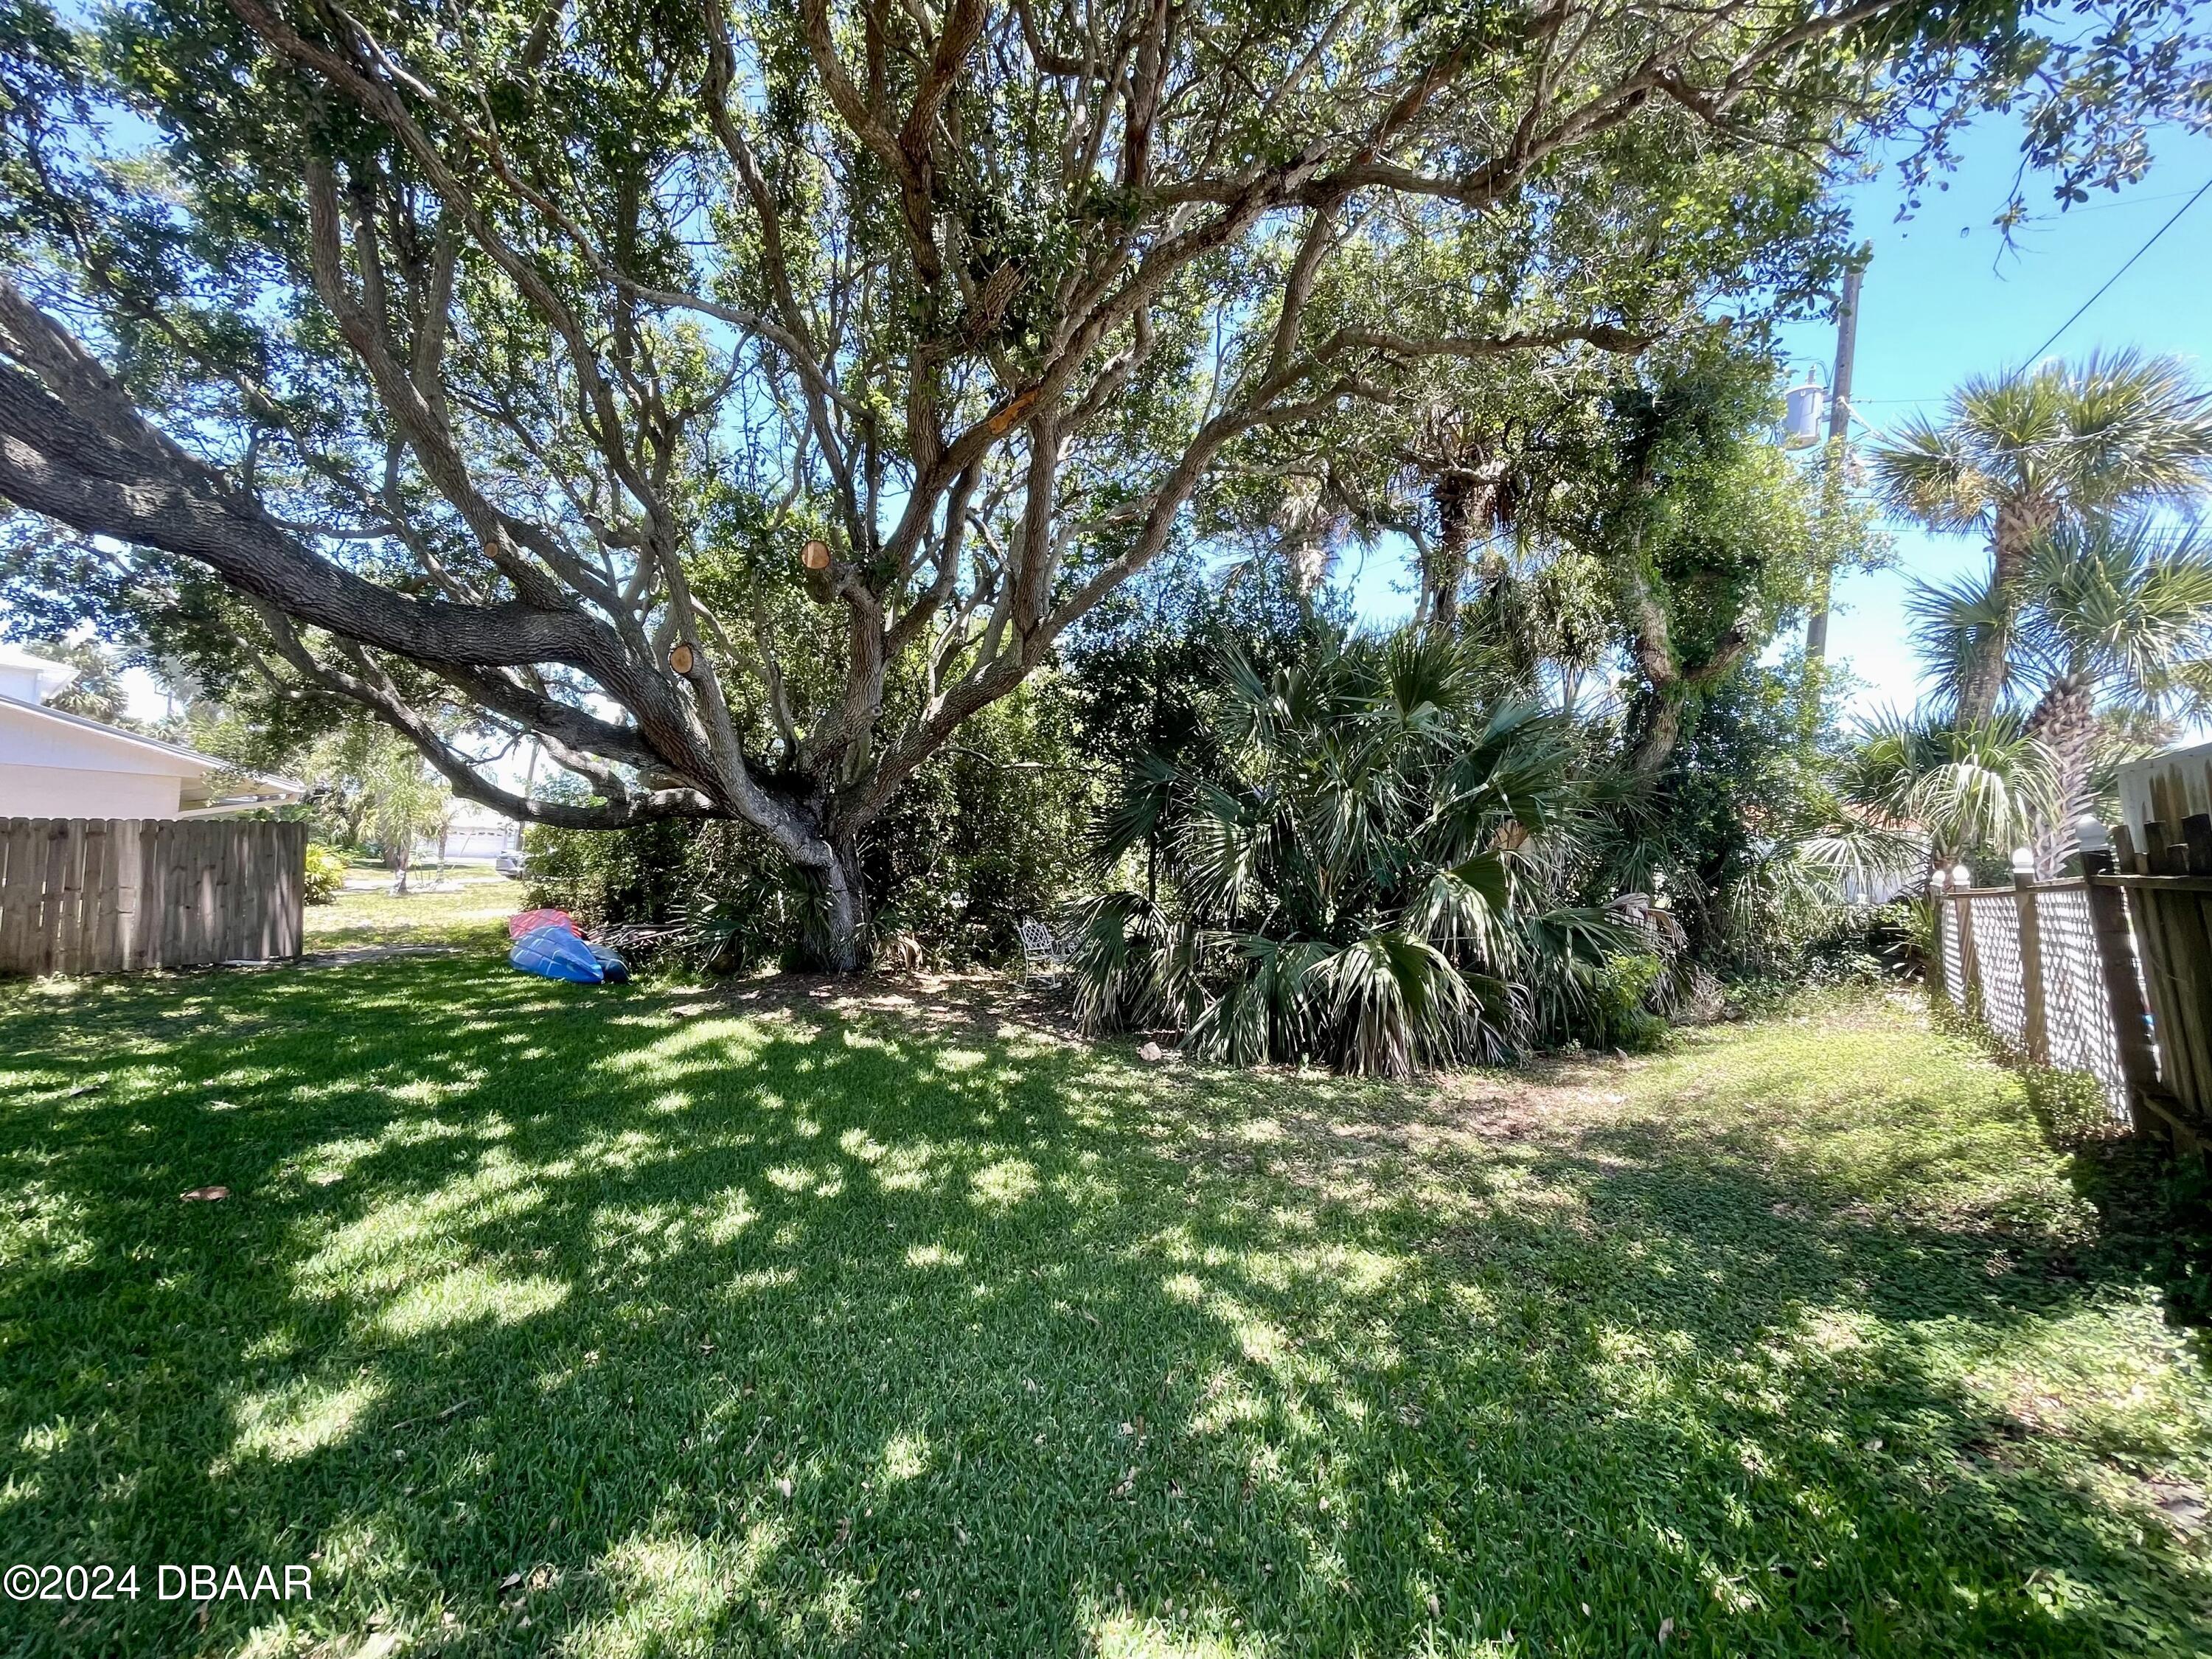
{"points": [[58, 765], [474, 831]]}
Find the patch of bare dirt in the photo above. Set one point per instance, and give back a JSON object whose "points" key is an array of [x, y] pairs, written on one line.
{"points": [[2180, 1502]]}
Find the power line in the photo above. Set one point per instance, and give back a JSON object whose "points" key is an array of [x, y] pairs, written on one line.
{"points": [[2036, 355], [2132, 201]]}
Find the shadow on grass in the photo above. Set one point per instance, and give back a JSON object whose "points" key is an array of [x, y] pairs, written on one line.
{"points": [[848, 1330], [2155, 1213]]}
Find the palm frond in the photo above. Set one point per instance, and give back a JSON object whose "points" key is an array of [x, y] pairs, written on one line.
{"points": [[1854, 848], [1392, 1000], [2121, 428], [2138, 431], [1135, 811], [1423, 677], [1266, 1010], [1346, 873], [2121, 605], [1120, 965], [1564, 952], [1926, 472], [1217, 848], [1954, 622], [1966, 788], [1465, 906]]}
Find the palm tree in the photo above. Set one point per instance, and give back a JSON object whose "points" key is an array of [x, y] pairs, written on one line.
{"points": [[2019, 454], [1965, 789], [2109, 616]]}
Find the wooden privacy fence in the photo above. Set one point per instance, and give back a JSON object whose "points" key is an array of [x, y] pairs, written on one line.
{"points": [[2110, 973], [103, 895]]}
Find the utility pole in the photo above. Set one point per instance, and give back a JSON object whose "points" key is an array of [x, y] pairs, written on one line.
{"points": [[1847, 340], [1839, 427]]}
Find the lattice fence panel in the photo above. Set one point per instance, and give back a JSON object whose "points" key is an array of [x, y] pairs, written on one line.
{"points": [[1997, 958], [2077, 1013], [1954, 965]]}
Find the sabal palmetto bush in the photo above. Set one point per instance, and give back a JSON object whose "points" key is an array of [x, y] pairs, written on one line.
{"points": [[1955, 791], [1354, 881]]}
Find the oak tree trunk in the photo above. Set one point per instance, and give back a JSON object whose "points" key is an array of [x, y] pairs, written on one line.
{"points": [[1655, 743], [846, 909]]}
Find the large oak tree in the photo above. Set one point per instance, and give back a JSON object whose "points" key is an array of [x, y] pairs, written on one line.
{"points": [[501, 359]]}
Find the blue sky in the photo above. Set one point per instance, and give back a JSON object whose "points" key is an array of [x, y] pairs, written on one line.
{"points": [[1944, 299]]}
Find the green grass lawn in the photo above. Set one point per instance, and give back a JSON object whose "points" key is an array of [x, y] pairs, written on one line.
{"points": [[548, 1319], [474, 912]]}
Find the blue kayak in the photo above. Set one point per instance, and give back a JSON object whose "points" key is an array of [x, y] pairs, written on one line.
{"points": [[556, 953]]}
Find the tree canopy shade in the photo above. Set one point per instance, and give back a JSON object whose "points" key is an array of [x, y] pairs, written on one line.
{"points": [[481, 358]]}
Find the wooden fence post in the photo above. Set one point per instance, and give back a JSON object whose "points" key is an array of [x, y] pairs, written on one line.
{"points": [[97, 953], [2197, 836], [2189, 929], [293, 894], [129, 866], [19, 897], [60, 849], [2116, 955], [153, 894], [1970, 966], [1942, 965], [2035, 1033], [2174, 950]]}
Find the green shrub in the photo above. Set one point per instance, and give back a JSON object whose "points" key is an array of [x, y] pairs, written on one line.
{"points": [[1619, 1014], [988, 834], [602, 876], [1857, 947], [326, 876], [715, 894], [1352, 873], [1757, 998]]}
